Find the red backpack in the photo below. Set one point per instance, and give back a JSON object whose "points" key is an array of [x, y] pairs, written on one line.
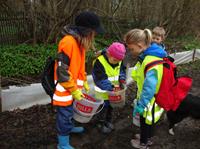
{"points": [[173, 89]]}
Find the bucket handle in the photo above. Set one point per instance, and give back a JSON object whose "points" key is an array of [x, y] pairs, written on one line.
{"points": [[100, 109]]}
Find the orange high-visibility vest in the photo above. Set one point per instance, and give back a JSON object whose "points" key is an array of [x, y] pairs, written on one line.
{"points": [[70, 47]]}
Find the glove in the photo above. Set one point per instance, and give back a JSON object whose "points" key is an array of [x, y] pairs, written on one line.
{"points": [[86, 86], [77, 94], [138, 109]]}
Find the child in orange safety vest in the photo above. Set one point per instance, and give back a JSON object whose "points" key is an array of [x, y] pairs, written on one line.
{"points": [[70, 72]]}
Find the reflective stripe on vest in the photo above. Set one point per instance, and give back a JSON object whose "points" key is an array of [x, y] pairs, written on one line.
{"points": [[113, 77], [148, 113], [138, 76], [80, 82], [99, 90], [62, 98], [60, 88], [62, 95], [157, 115], [67, 45]]}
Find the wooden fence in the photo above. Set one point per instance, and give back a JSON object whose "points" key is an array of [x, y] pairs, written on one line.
{"points": [[19, 28], [13, 28]]}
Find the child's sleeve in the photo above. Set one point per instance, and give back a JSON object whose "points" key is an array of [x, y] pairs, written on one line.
{"points": [[65, 77], [100, 77], [122, 75], [149, 88]]}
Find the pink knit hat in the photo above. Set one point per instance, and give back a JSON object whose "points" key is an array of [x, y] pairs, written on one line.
{"points": [[117, 50]]}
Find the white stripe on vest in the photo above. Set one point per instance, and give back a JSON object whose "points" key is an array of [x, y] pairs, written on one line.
{"points": [[156, 114], [79, 82], [115, 78], [99, 90], [62, 98], [60, 88]]}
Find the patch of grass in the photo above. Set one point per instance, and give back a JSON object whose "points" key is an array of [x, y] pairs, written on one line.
{"points": [[188, 68], [184, 43], [24, 59]]}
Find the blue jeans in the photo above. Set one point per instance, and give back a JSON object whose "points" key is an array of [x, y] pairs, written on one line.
{"points": [[64, 122]]}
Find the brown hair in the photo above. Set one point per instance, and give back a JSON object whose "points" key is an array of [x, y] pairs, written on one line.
{"points": [[137, 36], [159, 31], [86, 41]]}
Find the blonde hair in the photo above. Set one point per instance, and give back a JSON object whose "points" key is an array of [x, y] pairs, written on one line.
{"points": [[159, 31], [86, 42], [135, 36]]}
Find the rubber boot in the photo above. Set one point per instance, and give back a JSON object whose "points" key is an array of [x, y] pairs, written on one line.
{"points": [[107, 127], [63, 142], [77, 130]]}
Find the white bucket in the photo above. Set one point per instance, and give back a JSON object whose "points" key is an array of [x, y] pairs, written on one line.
{"points": [[117, 98], [86, 108], [136, 118]]}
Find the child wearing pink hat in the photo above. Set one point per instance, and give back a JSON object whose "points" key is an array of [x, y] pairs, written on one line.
{"points": [[108, 72]]}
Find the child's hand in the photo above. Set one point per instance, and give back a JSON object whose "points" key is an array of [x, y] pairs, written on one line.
{"points": [[86, 86], [138, 109], [77, 94]]}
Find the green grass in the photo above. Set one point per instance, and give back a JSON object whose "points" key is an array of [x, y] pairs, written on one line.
{"points": [[23, 60], [190, 67], [184, 43]]}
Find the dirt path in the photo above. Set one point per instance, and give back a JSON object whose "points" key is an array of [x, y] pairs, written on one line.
{"points": [[34, 128]]}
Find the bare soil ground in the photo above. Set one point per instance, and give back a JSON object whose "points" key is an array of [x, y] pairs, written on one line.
{"points": [[34, 128]]}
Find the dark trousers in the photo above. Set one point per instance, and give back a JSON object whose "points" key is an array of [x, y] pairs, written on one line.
{"points": [[105, 115], [64, 122], [146, 131]]}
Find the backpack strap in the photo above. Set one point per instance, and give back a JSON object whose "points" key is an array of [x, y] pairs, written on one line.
{"points": [[150, 65]]}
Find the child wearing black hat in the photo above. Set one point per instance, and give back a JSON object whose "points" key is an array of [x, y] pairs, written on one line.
{"points": [[70, 72]]}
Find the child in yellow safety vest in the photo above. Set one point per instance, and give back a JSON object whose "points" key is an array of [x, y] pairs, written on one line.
{"points": [[139, 43], [108, 72]]}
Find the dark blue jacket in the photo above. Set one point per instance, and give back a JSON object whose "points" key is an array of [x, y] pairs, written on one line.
{"points": [[100, 77]]}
